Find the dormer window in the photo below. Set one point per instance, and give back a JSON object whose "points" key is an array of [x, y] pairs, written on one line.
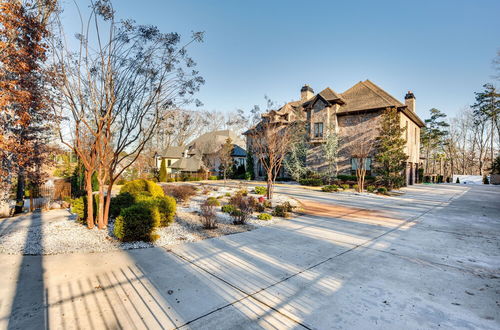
{"points": [[318, 130]]}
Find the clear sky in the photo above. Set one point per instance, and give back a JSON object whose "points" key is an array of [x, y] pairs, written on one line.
{"points": [[441, 50]]}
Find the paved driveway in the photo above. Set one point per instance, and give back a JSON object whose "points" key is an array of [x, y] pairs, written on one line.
{"points": [[427, 259]]}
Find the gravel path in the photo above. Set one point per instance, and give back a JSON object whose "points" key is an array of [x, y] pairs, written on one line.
{"points": [[57, 232]]}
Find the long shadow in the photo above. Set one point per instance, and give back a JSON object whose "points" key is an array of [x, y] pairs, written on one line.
{"points": [[28, 306]]}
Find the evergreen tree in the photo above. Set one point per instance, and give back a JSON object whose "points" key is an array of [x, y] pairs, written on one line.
{"points": [[163, 171], [487, 106], [250, 173], [433, 136], [390, 156]]}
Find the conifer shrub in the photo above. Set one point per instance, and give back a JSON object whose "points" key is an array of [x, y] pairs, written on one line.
{"points": [[458, 180], [163, 171], [486, 180], [78, 207], [139, 186], [137, 223], [121, 201]]}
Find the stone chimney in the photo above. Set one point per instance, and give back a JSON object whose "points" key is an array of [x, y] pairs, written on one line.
{"points": [[410, 101], [306, 93]]}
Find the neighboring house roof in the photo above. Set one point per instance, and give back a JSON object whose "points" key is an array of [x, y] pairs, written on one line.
{"points": [[238, 151], [174, 152], [210, 142], [192, 164]]}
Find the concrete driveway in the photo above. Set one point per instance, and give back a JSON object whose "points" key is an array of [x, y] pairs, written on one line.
{"points": [[427, 259]]}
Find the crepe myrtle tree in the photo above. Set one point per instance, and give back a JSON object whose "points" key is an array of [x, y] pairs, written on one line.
{"points": [[270, 143], [116, 88]]}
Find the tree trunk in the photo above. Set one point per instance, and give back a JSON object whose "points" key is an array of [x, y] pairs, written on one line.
{"points": [[90, 199], [269, 186], [21, 182], [108, 202]]}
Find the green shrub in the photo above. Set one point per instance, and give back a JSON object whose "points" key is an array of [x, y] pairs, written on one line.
{"points": [[137, 223], [355, 187], [458, 180], [142, 186], [260, 190], [212, 201], [167, 207], [78, 207], [267, 204], [212, 177], [486, 180], [382, 190], [330, 188], [227, 194], [344, 177], [344, 186], [311, 182], [370, 189], [171, 180], [242, 192], [121, 201], [264, 216], [228, 208], [280, 211], [163, 171]]}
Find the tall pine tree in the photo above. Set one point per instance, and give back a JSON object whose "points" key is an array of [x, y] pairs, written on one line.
{"points": [[390, 157]]}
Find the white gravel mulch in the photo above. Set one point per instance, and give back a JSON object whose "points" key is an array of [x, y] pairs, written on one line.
{"points": [[57, 232]]}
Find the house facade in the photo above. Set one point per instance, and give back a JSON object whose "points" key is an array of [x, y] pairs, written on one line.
{"points": [[354, 116], [202, 154]]}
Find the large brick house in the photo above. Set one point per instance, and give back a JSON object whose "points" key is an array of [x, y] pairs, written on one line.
{"points": [[354, 114]]}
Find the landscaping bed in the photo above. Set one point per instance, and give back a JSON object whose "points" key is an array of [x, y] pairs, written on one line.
{"points": [[59, 231]]}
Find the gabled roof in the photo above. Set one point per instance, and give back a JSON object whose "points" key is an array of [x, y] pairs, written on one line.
{"points": [[174, 152], [328, 95], [238, 151], [192, 164], [366, 95], [215, 139]]}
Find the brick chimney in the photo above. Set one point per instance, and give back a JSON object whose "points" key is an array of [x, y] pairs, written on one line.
{"points": [[306, 93], [410, 101]]}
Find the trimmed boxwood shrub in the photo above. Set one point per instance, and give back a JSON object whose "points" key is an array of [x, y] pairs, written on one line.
{"points": [[167, 207], [137, 223], [260, 190], [264, 216], [141, 186], [330, 188], [311, 182], [370, 189], [228, 208], [382, 190], [212, 177], [344, 186]]}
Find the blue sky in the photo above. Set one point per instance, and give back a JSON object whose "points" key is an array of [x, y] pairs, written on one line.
{"points": [[441, 50]]}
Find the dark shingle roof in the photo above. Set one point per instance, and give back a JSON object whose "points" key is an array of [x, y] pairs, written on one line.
{"points": [[238, 151], [192, 164]]}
